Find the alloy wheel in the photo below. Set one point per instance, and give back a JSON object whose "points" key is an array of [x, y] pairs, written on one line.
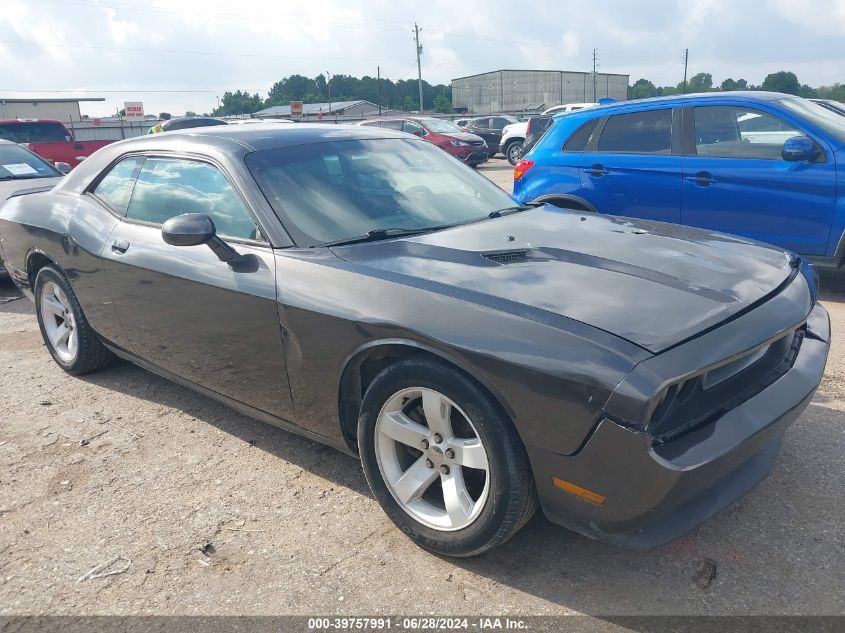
{"points": [[59, 322], [432, 459]]}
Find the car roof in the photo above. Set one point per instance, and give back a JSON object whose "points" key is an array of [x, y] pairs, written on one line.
{"points": [[740, 95]]}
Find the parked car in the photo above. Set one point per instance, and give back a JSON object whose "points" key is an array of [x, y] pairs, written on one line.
{"points": [[185, 122], [512, 143], [461, 123], [490, 129], [359, 287], [49, 139], [22, 171], [464, 146], [537, 126], [764, 166], [254, 121], [836, 107]]}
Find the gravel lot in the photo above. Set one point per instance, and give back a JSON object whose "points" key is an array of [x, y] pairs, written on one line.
{"points": [[220, 514]]}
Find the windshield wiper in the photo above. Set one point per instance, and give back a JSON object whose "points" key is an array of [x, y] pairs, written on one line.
{"points": [[374, 235], [517, 209]]}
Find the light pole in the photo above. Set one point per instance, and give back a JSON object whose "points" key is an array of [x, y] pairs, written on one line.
{"points": [[329, 88]]}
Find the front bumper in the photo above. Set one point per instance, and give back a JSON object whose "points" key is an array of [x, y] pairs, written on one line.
{"points": [[475, 158], [656, 493]]}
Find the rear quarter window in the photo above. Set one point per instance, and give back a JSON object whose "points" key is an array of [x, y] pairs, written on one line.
{"points": [[581, 137]]}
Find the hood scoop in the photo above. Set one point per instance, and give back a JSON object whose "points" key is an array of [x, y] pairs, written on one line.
{"points": [[508, 257]]}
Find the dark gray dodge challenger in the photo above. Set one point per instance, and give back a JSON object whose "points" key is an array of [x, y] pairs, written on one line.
{"points": [[360, 287]]}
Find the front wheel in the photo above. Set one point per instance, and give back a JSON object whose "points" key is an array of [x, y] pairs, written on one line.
{"points": [[443, 460], [514, 152], [72, 342]]}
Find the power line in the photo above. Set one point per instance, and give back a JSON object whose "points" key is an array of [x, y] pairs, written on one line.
{"points": [[171, 51]]}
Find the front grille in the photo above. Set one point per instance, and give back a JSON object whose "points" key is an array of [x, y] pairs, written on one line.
{"points": [[476, 143], [692, 403], [507, 257]]}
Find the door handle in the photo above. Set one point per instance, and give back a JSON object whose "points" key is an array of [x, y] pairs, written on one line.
{"points": [[120, 246], [597, 170], [702, 179]]}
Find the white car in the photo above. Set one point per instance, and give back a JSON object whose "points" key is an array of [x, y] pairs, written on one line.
{"points": [[513, 135]]}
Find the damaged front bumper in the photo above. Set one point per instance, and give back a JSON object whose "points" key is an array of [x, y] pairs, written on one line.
{"points": [[645, 492]]}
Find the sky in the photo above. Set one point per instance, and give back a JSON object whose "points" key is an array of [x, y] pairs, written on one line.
{"points": [[182, 55]]}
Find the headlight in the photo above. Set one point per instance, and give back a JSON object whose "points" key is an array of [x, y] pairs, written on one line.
{"points": [[460, 143]]}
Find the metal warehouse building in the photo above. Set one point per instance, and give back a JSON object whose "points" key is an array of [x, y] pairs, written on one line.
{"points": [[518, 90]]}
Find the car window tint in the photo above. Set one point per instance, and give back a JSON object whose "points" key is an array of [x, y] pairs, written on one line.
{"points": [[735, 132], [34, 132], [116, 186], [498, 123], [169, 187], [413, 128], [392, 125], [578, 141], [647, 132]]}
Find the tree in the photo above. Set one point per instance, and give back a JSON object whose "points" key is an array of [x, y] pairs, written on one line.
{"points": [[442, 103], [836, 92], [238, 103], [702, 82], [642, 89], [729, 84], [782, 81]]}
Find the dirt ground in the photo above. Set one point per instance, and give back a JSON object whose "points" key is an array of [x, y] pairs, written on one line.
{"points": [[209, 512]]}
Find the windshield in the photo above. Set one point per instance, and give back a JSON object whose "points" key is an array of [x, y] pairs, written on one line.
{"points": [[16, 163], [828, 121], [441, 126], [342, 189], [33, 132]]}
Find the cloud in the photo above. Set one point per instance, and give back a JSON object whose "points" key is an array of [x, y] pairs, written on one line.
{"points": [[181, 56]]}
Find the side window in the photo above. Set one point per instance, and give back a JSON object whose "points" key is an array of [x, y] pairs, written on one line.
{"points": [[734, 132], [647, 132], [579, 139], [116, 186], [414, 128], [392, 125], [498, 123], [168, 187]]}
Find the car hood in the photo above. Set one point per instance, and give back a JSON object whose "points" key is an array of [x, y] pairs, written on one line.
{"points": [[463, 136], [650, 283], [11, 187]]}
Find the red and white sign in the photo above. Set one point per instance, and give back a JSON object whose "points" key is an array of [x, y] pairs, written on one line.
{"points": [[134, 109], [296, 109]]}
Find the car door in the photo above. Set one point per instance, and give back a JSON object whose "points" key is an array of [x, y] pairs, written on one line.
{"points": [[497, 124], [483, 128], [736, 181], [182, 309], [632, 165]]}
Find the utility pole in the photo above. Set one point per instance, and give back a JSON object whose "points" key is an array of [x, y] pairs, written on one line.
{"points": [[686, 64], [378, 87], [417, 30], [595, 65], [329, 88]]}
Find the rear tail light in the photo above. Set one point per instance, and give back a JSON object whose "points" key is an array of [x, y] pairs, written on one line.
{"points": [[521, 168]]}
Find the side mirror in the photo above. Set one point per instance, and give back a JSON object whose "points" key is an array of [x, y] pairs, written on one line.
{"points": [[63, 167], [195, 229], [799, 148]]}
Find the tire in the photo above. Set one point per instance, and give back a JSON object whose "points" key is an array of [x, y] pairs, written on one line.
{"points": [[490, 500], [72, 342], [513, 152]]}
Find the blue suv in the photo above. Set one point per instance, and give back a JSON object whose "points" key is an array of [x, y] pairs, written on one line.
{"points": [[755, 164]]}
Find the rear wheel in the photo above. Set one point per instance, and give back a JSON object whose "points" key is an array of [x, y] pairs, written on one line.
{"points": [[73, 344], [443, 460], [514, 152]]}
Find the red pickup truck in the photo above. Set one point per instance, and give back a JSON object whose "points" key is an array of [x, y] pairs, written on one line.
{"points": [[49, 139]]}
